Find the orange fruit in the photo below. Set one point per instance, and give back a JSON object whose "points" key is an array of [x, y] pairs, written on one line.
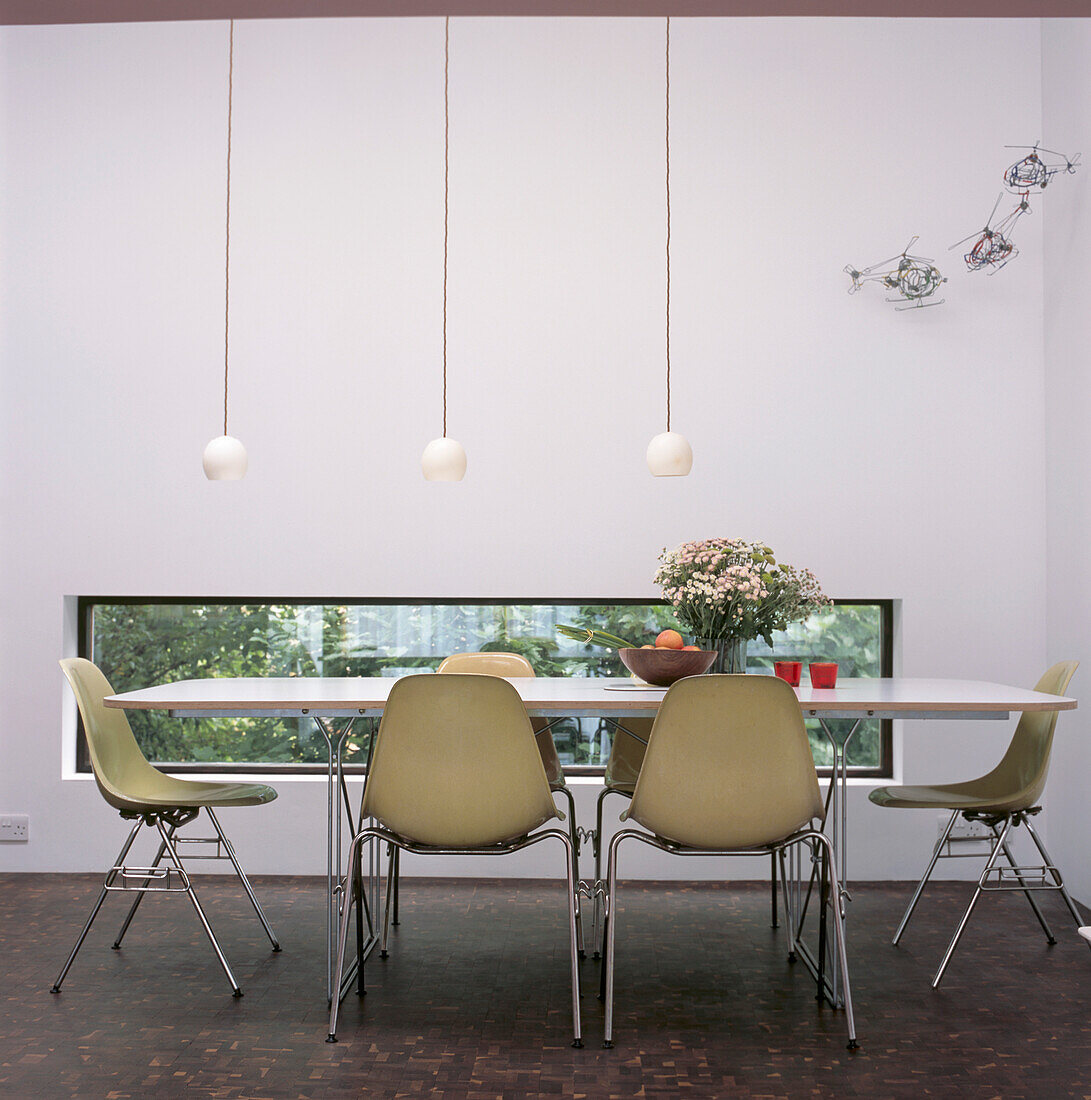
{"points": [[647, 647], [669, 639], [697, 647]]}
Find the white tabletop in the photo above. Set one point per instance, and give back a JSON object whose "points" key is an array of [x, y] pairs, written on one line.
{"points": [[345, 696]]}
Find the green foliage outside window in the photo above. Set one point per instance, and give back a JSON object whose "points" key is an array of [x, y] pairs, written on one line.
{"points": [[140, 644]]}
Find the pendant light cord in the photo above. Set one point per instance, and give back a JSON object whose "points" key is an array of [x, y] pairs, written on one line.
{"points": [[446, 179], [227, 225], [668, 163]]}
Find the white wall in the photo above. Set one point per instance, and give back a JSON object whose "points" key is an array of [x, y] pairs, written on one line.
{"points": [[897, 454], [1066, 93]]}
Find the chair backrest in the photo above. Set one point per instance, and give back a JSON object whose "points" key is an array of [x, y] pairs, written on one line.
{"points": [[511, 666], [455, 765], [119, 766], [1021, 774], [628, 743], [728, 765]]}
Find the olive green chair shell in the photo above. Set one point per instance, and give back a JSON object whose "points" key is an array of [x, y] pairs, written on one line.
{"points": [[728, 771], [1016, 783], [156, 801], [627, 748], [1003, 799], [728, 765], [455, 770], [124, 777], [455, 764], [507, 666]]}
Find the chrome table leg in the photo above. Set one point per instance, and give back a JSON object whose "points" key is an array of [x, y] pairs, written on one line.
{"points": [[336, 883]]}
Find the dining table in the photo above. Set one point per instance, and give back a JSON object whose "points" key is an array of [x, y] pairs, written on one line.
{"points": [[336, 704]]}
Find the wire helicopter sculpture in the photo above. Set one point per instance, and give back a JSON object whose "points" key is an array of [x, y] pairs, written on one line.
{"points": [[1034, 172], [993, 246], [914, 278]]}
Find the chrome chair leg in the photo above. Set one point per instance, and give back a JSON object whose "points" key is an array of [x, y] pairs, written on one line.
{"points": [[351, 893], [997, 849], [839, 933], [610, 934], [774, 923], [925, 877], [596, 919], [173, 855], [343, 934], [363, 911], [1050, 938], [574, 856], [596, 849], [823, 903], [833, 897], [1049, 863], [395, 918], [116, 945], [789, 908], [229, 848], [56, 988], [573, 933], [391, 886]]}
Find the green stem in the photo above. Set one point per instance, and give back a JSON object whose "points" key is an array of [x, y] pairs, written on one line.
{"points": [[595, 637]]}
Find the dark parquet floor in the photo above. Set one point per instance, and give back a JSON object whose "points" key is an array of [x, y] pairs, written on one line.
{"points": [[473, 1002]]}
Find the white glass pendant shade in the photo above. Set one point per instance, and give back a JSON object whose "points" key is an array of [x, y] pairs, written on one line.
{"points": [[670, 455], [443, 460], [224, 459]]}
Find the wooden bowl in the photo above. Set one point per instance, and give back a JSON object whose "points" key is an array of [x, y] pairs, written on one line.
{"points": [[663, 666]]}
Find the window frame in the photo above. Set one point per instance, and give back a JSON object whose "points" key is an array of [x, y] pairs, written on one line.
{"points": [[85, 608]]}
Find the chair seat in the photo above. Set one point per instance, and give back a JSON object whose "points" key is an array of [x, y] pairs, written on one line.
{"points": [[169, 792], [947, 796]]}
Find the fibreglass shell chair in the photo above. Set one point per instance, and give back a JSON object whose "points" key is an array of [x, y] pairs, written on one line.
{"points": [[728, 771], [455, 771], [629, 741], [627, 748], [516, 666], [1006, 797], [141, 793]]}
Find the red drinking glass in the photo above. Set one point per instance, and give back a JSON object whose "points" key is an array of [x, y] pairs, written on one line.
{"points": [[823, 674], [789, 671]]}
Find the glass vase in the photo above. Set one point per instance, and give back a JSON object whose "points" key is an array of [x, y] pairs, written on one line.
{"points": [[730, 653]]}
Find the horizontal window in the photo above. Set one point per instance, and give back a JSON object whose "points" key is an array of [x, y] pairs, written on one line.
{"points": [[139, 642]]}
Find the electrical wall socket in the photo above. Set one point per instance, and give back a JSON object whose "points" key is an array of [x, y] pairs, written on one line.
{"points": [[15, 827], [963, 829]]}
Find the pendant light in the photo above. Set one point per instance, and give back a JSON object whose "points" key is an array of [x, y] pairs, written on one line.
{"points": [[224, 458], [669, 454], [444, 459]]}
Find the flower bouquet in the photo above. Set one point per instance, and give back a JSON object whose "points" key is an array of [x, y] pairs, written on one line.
{"points": [[728, 591]]}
